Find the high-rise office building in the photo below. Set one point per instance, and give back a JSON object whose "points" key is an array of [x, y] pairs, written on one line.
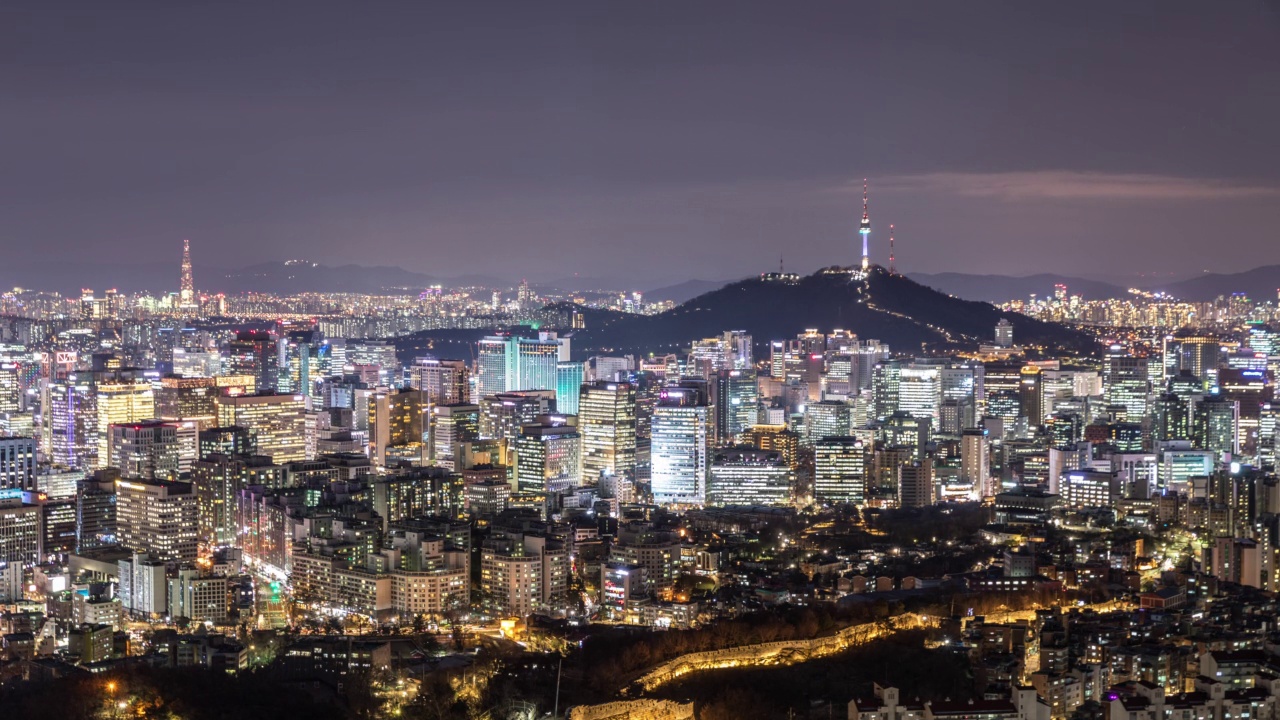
{"points": [[17, 463], [502, 415], [124, 398], [885, 386], [975, 462], [1031, 395], [180, 398], [840, 470], [735, 397], [278, 422], [158, 517], [145, 450], [446, 382], [10, 387], [232, 440], [1124, 380], [748, 476], [1197, 356], [915, 484], [256, 354], [96, 511], [568, 386], [1216, 425], [729, 351], [21, 529], [920, 390], [399, 426], [305, 358], [549, 455], [775, 437], [607, 423], [507, 363], [681, 430], [452, 425], [218, 480], [829, 418], [1172, 418]]}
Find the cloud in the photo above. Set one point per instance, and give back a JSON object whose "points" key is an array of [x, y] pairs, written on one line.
{"points": [[1070, 185]]}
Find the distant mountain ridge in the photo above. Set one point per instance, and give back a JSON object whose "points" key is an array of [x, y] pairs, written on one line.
{"points": [[1261, 283], [683, 292], [1002, 288]]}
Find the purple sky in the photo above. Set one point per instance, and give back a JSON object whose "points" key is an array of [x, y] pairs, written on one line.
{"points": [[650, 140]]}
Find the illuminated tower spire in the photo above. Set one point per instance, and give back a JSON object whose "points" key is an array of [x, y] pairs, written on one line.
{"points": [[893, 270], [187, 288], [864, 229]]}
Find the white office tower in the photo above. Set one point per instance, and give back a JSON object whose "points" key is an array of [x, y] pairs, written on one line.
{"points": [[975, 462], [920, 391], [609, 368], [681, 428]]}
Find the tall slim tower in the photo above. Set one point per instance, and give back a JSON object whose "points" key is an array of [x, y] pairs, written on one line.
{"points": [[864, 229], [187, 289], [893, 270]]}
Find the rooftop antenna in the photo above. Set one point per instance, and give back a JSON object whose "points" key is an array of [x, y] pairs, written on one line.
{"points": [[893, 270]]}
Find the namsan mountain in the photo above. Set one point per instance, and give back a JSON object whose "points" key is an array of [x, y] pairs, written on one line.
{"points": [[877, 304]]}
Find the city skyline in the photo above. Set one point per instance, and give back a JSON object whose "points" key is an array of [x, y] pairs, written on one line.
{"points": [[681, 145], [709, 360]]}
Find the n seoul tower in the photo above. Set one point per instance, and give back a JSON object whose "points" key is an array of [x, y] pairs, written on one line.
{"points": [[864, 229]]}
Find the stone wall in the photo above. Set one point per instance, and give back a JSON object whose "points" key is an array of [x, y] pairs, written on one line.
{"points": [[784, 652], [634, 710]]}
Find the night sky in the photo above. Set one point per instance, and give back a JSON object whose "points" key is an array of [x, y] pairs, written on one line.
{"points": [[652, 141]]}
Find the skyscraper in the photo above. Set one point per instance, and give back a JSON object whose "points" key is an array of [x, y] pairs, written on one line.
{"points": [[145, 450], [452, 425], [840, 470], [446, 382], [121, 398], [607, 423], [157, 517], [568, 387], [187, 287], [680, 433], [735, 398], [398, 427], [254, 353], [17, 463], [549, 455], [277, 421], [915, 484], [507, 363], [1125, 384], [975, 462]]}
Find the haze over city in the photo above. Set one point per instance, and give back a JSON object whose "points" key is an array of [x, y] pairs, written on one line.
{"points": [[643, 142]]}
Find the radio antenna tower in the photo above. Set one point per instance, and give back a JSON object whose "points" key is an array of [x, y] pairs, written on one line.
{"points": [[893, 270]]}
